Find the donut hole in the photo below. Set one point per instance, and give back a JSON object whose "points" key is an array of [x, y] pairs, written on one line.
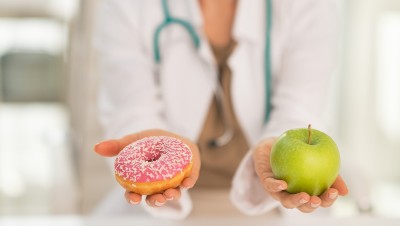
{"points": [[153, 156], [153, 159]]}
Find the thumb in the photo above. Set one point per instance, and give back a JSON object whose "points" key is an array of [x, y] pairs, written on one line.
{"points": [[341, 186], [107, 148], [190, 181]]}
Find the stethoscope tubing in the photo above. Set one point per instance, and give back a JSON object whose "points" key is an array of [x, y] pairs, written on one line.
{"points": [[219, 95]]}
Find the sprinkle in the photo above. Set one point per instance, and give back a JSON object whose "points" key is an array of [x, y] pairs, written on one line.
{"points": [[152, 159]]}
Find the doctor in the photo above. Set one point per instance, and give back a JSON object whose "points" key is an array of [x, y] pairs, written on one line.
{"points": [[226, 76]]}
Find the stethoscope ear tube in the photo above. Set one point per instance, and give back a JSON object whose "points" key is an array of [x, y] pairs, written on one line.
{"points": [[221, 102], [168, 20]]}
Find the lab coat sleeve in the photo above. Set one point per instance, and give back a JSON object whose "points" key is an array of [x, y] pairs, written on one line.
{"points": [[247, 193], [173, 210], [129, 98], [299, 88]]}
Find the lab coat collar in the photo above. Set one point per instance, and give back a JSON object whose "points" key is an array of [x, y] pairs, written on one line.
{"points": [[249, 20]]}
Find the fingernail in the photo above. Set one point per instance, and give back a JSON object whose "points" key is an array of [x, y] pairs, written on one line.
{"points": [[314, 205], [170, 198], [98, 145], [303, 201], [95, 147], [133, 202], [159, 203], [281, 187], [333, 195]]}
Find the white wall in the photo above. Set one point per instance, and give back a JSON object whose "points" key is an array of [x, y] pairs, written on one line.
{"points": [[359, 127], [366, 126]]}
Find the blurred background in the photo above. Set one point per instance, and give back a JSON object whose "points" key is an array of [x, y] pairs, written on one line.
{"points": [[48, 121]]}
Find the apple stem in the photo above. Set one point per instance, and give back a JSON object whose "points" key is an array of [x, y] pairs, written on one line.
{"points": [[309, 133]]}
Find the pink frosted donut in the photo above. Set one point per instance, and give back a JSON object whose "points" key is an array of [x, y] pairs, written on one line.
{"points": [[153, 164]]}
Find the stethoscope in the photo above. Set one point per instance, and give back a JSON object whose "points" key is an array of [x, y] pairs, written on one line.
{"points": [[221, 102]]}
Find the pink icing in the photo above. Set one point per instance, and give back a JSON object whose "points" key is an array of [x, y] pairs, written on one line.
{"points": [[153, 158]]}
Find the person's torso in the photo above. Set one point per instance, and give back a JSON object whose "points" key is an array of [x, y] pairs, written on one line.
{"points": [[188, 76]]}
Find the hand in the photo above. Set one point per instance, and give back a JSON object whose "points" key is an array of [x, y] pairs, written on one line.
{"points": [[111, 148], [276, 188]]}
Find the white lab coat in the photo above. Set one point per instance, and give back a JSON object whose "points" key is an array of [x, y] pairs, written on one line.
{"points": [[303, 52]]}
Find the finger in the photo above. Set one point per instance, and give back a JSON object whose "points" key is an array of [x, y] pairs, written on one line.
{"points": [[340, 186], [107, 148], [329, 197], [291, 201], [272, 185], [190, 181], [172, 194], [310, 206], [132, 198], [314, 202], [156, 200], [306, 208], [261, 157], [152, 132], [110, 148], [128, 139]]}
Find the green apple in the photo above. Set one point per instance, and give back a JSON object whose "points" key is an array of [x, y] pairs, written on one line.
{"points": [[307, 159]]}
